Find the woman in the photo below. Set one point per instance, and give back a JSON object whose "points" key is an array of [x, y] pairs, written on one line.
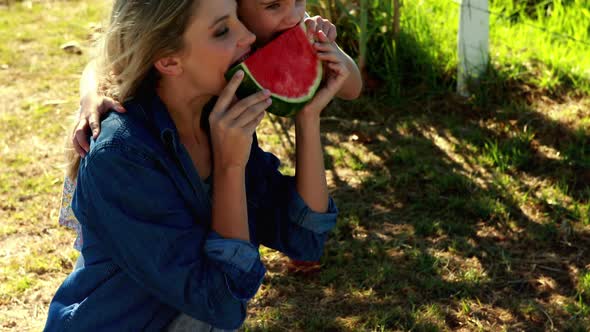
{"points": [[174, 202], [266, 20]]}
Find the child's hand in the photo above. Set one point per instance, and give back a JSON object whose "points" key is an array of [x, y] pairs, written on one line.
{"points": [[91, 109], [316, 24], [336, 72]]}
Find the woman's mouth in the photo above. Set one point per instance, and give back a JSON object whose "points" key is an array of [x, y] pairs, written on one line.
{"points": [[241, 58]]}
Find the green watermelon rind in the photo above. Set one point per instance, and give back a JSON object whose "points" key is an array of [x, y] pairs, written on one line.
{"points": [[280, 106], [303, 98]]}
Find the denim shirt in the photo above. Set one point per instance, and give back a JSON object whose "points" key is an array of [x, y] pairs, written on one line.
{"points": [[149, 250]]}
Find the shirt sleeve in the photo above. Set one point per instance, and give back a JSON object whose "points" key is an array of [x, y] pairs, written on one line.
{"points": [[284, 221], [133, 206], [240, 261], [66, 215]]}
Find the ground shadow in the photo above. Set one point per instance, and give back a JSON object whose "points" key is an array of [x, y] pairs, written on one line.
{"points": [[451, 223]]}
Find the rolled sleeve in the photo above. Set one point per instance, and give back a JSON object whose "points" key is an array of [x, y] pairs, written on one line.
{"points": [[240, 262], [284, 221], [300, 214]]}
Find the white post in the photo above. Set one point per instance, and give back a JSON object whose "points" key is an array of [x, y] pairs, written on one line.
{"points": [[474, 31]]}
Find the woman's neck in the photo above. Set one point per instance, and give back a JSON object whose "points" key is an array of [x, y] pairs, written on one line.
{"points": [[185, 110]]}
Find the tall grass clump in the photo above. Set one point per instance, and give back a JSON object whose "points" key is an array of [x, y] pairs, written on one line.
{"points": [[428, 44], [544, 42], [399, 50], [539, 42], [366, 31]]}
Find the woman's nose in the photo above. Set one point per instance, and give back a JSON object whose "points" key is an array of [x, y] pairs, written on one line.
{"points": [[247, 39]]}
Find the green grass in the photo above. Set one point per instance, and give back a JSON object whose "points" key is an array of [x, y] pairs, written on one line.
{"points": [[548, 40], [539, 43], [38, 86]]}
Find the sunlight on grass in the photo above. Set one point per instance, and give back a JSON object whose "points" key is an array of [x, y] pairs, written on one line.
{"points": [[536, 47], [584, 285], [15, 284], [429, 318], [549, 54], [38, 85]]}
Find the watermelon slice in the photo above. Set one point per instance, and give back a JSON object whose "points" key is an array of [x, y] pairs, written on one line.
{"points": [[288, 67]]}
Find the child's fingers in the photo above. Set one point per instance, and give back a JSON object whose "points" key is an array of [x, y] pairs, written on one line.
{"points": [[94, 124], [322, 37], [80, 138], [79, 150], [337, 67], [341, 73], [323, 47], [311, 26], [330, 32], [110, 104], [330, 57]]}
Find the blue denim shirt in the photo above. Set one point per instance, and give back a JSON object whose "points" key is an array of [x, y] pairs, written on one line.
{"points": [[149, 251]]}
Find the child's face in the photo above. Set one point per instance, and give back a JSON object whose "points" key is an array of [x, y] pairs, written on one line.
{"points": [[268, 18]]}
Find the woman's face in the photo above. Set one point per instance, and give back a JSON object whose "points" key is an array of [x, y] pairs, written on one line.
{"points": [[214, 40], [268, 18]]}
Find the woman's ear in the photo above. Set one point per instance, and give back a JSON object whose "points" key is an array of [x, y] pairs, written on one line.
{"points": [[170, 66]]}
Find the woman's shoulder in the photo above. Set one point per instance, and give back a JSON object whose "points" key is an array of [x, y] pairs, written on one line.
{"points": [[129, 134]]}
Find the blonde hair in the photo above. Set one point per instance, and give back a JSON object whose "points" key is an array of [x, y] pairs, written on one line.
{"points": [[139, 33]]}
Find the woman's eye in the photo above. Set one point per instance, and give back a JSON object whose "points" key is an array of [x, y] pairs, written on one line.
{"points": [[273, 6], [221, 32]]}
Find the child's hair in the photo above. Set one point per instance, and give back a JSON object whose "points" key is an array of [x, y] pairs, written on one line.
{"points": [[139, 32]]}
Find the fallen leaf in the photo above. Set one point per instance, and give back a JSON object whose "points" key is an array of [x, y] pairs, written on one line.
{"points": [[303, 267], [9, 324], [360, 137], [53, 102], [72, 48]]}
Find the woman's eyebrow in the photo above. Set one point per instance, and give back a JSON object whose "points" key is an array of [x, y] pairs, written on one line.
{"points": [[265, 3], [224, 17]]}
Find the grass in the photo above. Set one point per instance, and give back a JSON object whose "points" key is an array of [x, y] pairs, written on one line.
{"points": [[38, 86], [455, 214], [540, 43]]}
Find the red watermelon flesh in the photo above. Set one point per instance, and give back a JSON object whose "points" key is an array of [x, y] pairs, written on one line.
{"points": [[288, 66]]}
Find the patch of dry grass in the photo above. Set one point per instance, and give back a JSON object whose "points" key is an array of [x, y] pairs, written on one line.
{"points": [[38, 88]]}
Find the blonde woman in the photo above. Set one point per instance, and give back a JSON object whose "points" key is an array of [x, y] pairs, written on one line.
{"points": [[266, 20], [173, 201]]}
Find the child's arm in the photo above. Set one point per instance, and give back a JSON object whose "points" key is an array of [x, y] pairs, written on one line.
{"points": [[92, 106], [352, 87], [310, 174], [88, 81]]}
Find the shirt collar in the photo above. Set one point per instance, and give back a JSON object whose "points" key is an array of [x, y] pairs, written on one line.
{"points": [[156, 113], [163, 122]]}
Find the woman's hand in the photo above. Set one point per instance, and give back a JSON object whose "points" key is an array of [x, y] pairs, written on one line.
{"points": [[316, 24], [336, 73], [234, 123], [92, 107]]}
